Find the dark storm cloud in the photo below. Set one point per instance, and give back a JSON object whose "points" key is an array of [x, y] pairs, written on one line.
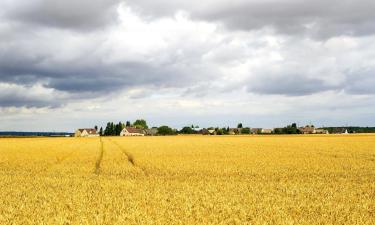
{"points": [[22, 101], [92, 73], [102, 78], [70, 14], [58, 45], [319, 18]]}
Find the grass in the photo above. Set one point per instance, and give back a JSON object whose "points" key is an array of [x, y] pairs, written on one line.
{"points": [[317, 179]]}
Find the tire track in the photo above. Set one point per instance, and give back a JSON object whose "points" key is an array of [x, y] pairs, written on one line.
{"points": [[129, 156], [100, 158]]}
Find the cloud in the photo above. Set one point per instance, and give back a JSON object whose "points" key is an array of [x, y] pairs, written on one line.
{"points": [[68, 14], [13, 95], [361, 82], [318, 19], [174, 60], [289, 84], [104, 62]]}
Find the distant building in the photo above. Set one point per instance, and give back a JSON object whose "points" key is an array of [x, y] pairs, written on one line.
{"points": [[256, 130], [132, 131], [307, 130], [211, 132], [233, 131], [321, 131], [266, 131], [204, 131], [151, 132], [86, 132]]}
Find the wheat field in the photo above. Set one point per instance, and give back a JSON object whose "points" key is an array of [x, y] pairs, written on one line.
{"points": [[302, 179]]}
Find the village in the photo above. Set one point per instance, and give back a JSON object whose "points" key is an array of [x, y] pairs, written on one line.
{"points": [[165, 130]]}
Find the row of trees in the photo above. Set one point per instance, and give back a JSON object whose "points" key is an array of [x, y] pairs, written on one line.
{"points": [[218, 130], [113, 129], [290, 129]]}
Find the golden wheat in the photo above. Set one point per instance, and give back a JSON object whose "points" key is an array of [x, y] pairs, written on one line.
{"points": [[188, 180]]}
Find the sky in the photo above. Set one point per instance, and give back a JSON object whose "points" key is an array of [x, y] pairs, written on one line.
{"points": [[265, 63]]}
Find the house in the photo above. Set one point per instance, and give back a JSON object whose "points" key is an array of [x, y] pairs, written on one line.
{"points": [[321, 131], [132, 131], [204, 131], [256, 130], [86, 132], [151, 132], [233, 131], [266, 131], [211, 132], [307, 130]]}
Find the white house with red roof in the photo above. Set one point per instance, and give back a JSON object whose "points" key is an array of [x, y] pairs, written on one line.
{"points": [[132, 131], [86, 132]]}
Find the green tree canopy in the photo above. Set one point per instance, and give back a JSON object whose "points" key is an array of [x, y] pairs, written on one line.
{"points": [[140, 123], [187, 130], [165, 130], [245, 130]]}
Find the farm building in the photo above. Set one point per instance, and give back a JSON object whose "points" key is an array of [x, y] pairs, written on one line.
{"points": [[307, 130], [321, 131], [86, 132], [267, 131], [204, 131], [256, 130], [151, 132], [132, 131], [233, 131]]}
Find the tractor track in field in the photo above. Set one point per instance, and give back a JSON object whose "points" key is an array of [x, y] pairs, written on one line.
{"points": [[100, 158], [129, 156]]}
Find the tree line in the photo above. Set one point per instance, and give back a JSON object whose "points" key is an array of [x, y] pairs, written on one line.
{"points": [[114, 129]]}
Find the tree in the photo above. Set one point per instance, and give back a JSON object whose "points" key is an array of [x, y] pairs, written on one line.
{"points": [[239, 125], [165, 130], [101, 131], [96, 128], [118, 128], [140, 123], [245, 130], [187, 130], [290, 129], [107, 129], [278, 131], [112, 129], [128, 124]]}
